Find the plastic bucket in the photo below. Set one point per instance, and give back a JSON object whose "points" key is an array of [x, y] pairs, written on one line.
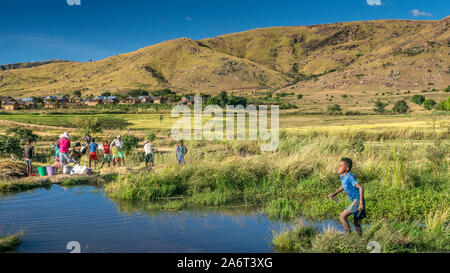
{"points": [[51, 170], [67, 169], [42, 171]]}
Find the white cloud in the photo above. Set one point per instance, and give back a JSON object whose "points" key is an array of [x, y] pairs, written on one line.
{"points": [[416, 12], [374, 2]]}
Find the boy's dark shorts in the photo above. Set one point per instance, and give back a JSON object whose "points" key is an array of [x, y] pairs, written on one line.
{"points": [[353, 208]]}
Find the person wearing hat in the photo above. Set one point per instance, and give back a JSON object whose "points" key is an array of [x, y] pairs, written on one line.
{"points": [[64, 145], [118, 144]]}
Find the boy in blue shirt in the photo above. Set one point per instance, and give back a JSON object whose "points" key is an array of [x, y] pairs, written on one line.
{"points": [[355, 193], [93, 156]]}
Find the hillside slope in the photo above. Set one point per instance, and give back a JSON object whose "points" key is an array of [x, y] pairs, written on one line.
{"points": [[372, 55]]}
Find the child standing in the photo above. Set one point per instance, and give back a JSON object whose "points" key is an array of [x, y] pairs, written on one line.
{"points": [[29, 155], [355, 193], [106, 154], [181, 152], [93, 155]]}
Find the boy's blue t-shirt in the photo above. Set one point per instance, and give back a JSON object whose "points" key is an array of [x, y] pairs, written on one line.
{"points": [[348, 183], [93, 147]]}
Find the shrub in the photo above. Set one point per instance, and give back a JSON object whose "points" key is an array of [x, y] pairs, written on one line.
{"points": [[429, 104], [129, 142], [334, 109], [151, 137], [344, 96], [444, 105], [401, 107], [418, 99], [447, 89], [299, 96], [380, 106]]}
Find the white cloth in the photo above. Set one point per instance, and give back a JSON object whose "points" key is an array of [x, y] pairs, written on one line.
{"points": [[148, 148], [77, 169]]}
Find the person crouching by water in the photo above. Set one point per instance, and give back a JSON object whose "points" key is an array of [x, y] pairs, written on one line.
{"points": [[355, 193], [64, 145], [75, 155], [106, 154], [29, 155], [181, 152], [93, 155]]}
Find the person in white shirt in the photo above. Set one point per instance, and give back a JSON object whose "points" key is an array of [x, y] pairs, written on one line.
{"points": [[149, 156]]}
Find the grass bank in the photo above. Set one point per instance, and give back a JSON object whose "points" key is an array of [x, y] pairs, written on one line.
{"points": [[9, 242]]}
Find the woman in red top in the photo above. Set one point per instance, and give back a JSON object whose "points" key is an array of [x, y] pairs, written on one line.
{"points": [[106, 154]]}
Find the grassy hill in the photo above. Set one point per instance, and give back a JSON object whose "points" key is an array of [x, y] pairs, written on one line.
{"points": [[382, 55]]}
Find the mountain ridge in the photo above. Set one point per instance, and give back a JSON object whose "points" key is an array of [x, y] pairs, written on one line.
{"points": [[379, 54]]}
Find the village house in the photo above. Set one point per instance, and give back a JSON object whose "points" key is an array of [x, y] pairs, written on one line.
{"points": [[159, 100], [51, 105], [11, 105], [111, 100], [93, 102], [187, 100], [76, 101], [62, 100], [145, 99], [129, 100], [28, 103]]}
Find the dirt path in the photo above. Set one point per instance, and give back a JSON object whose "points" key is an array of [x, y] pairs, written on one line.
{"points": [[43, 127]]}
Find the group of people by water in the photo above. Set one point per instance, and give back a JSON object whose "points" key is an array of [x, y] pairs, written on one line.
{"points": [[112, 151]]}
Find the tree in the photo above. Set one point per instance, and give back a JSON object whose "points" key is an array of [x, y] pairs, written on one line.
{"points": [[429, 104], [400, 107], [447, 89], [380, 106], [138, 93], [106, 94], [76, 93], [151, 137], [129, 142], [237, 101], [444, 105], [223, 98], [334, 109], [88, 126], [418, 99], [213, 100], [22, 134], [299, 96], [10, 146]]}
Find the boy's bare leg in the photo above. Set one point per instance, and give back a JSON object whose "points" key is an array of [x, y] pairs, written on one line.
{"points": [[358, 226], [343, 218]]}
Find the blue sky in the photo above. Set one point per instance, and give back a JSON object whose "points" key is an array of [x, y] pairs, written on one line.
{"points": [[52, 29]]}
